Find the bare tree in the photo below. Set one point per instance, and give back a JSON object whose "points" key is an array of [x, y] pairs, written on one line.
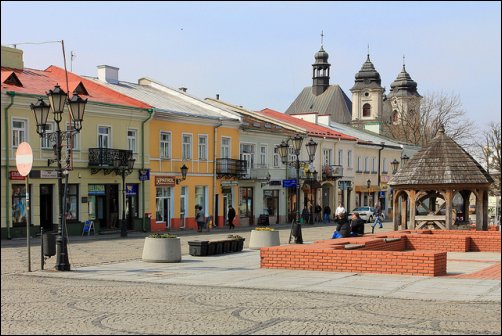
{"points": [[421, 121], [489, 147]]}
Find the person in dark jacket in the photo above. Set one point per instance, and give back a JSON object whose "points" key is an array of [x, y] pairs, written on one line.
{"points": [[357, 225], [231, 216], [342, 227], [326, 214]]}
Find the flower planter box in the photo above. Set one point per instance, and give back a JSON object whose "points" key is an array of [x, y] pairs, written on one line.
{"points": [[211, 248], [162, 250], [240, 244], [198, 248], [260, 239], [233, 245], [227, 244], [218, 247]]}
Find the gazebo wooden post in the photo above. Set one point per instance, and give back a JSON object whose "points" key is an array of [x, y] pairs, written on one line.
{"points": [[404, 224], [413, 202], [485, 210], [394, 209], [449, 207]]}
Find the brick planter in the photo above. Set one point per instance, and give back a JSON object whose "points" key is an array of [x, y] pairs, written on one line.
{"points": [[198, 247]]}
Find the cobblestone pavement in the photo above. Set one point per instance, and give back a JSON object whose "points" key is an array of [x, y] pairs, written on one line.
{"points": [[40, 305]]}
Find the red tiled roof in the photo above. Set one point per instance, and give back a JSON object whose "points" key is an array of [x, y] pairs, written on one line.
{"points": [[40, 81], [311, 128]]}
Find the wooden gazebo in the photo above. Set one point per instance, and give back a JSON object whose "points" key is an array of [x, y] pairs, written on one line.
{"points": [[433, 189]]}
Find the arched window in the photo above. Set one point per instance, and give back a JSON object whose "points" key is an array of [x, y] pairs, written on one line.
{"points": [[395, 116], [366, 110]]}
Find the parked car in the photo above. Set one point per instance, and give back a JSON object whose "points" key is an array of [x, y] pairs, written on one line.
{"points": [[366, 213]]}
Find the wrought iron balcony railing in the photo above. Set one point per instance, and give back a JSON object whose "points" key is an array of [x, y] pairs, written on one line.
{"points": [[230, 168], [332, 172], [103, 158]]}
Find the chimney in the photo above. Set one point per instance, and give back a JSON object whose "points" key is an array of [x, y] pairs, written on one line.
{"points": [[109, 74], [217, 96], [12, 58], [184, 89]]}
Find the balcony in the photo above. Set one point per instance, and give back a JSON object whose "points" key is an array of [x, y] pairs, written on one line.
{"points": [[332, 172], [258, 173], [230, 168], [102, 158]]}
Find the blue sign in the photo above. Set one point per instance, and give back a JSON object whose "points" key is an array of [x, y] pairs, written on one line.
{"points": [[289, 183], [144, 174], [382, 194], [131, 189]]}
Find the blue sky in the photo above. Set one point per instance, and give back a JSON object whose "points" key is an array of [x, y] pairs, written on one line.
{"points": [[260, 54]]}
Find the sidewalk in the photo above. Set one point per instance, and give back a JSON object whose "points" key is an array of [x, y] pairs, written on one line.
{"points": [[241, 270]]}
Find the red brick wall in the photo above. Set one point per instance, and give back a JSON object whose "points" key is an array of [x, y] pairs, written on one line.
{"points": [[425, 263], [426, 253]]}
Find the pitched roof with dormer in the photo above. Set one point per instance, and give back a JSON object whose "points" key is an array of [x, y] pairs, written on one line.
{"points": [[38, 82]]}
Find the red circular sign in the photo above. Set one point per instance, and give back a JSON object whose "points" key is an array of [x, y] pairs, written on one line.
{"points": [[24, 158]]}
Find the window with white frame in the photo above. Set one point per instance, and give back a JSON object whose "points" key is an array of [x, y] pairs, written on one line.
{"points": [[46, 142], [263, 155], [327, 156], [358, 163], [366, 167], [384, 165], [75, 137], [349, 158], [165, 145], [104, 137], [373, 164], [131, 140], [291, 154], [186, 146], [340, 157], [225, 148], [277, 157], [202, 147], [18, 132]]}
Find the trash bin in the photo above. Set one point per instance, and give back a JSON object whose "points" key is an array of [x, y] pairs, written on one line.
{"points": [[49, 244]]}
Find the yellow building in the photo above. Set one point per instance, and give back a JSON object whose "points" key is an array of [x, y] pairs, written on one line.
{"points": [[114, 126], [185, 131]]}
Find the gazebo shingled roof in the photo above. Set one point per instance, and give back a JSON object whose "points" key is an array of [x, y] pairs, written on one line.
{"points": [[442, 162]]}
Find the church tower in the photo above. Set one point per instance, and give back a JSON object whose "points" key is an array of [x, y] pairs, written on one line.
{"points": [[403, 96], [367, 98], [320, 72]]}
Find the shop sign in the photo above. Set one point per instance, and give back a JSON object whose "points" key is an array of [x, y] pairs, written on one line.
{"points": [[144, 174], [48, 174], [96, 189], [165, 180], [131, 189], [275, 183], [289, 183], [15, 175], [226, 190]]}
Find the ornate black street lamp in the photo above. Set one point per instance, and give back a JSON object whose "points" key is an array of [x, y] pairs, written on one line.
{"points": [[123, 169], [184, 171], [283, 149], [395, 163], [76, 106]]}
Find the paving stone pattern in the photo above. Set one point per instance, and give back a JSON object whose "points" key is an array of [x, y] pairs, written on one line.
{"points": [[34, 304]]}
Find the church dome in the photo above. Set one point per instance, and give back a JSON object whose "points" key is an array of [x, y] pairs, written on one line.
{"points": [[367, 77], [321, 57], [403, 85]]}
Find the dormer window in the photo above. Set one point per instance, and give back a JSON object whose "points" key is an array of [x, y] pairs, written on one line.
{"points": [[13, 80], [81, 90]]}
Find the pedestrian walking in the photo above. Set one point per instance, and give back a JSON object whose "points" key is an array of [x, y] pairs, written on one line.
{"points": [[305, 214], [317, 210], [231, 216], [378, 219], [326, 214], [199, 218]]}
